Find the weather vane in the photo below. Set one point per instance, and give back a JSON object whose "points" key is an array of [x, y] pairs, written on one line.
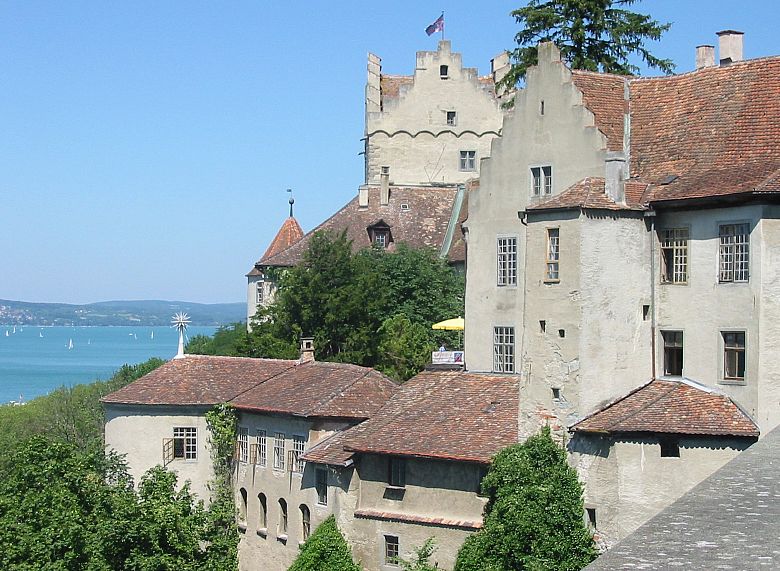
{"points": [[180, 321]]}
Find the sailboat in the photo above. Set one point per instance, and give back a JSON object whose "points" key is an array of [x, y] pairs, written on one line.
{"points": [[70, 343], [152, 336], [6, 333], [40, 333], [14, 331]]}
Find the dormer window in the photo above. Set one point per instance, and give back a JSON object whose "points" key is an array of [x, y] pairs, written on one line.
{"points": [[444, 71], [379, 234]]}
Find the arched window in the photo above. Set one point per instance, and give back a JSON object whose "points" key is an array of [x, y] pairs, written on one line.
{"points": [[242, 507], [305, 521], [263, 523], [282, 518]]}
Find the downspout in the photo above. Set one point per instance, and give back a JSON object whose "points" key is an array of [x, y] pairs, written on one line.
{"points": [[651, 215]]}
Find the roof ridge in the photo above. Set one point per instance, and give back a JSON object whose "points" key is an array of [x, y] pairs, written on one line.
{"points": [[610, 403], [708, 69], [675, 385], [263, 381]]}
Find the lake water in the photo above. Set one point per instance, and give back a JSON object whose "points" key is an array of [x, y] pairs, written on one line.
{"points": [[36, 360]]}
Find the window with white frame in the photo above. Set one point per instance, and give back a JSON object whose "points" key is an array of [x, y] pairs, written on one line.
{"points": [[298, 445], [468, 160], [260, 292], [243, 444], [185, 442], [673, 353], [734, 253], [674, 255], [392, 551], [553, 255], [504, 349], [541, 180], [279, 450], [262, 450], [506, 256], [733, 355]]}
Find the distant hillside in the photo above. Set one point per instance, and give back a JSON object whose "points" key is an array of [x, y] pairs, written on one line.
{"points": [[118, 313]]}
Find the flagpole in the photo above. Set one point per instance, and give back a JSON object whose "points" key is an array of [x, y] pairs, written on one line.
{"points": [[444, 23]]}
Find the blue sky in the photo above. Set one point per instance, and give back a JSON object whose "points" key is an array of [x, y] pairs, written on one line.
{"points": [[145, 147]]}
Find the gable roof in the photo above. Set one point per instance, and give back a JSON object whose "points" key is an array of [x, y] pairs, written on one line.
{"points": [[730, 521], [671, 407], [423, 223], [310, 389], [449, 415], [589, 193], [604, 95]]}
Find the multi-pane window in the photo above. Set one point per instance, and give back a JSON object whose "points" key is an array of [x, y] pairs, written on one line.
{"points": [[553, 254], [381, 238], [674, 255], [322, 486], [733, 355], [262, 451], [185, 443], [451, 117], [298, 446], [504, 349], [734, 252], [279, 450], [468, 160], [392, 551], [243, 444], [397, 472], [673, 353], [260, 292], [541, 180], [506, 269]]}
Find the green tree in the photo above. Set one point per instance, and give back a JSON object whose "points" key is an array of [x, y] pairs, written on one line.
{"points": [[534, 517], [422, 558], [225, 341], [325, 550], [404, 347], [595, 35]]}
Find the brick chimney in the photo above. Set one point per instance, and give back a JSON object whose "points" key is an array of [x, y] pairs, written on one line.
{"points": [[705, 56], [730, 46], [307, 350]]}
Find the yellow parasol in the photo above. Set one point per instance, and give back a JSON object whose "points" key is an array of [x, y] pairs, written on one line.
{"points": [[455, 324]]}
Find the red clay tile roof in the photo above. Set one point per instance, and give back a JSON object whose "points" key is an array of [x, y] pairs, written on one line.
{"points": [[671, 407], [449, 415], [425, 520], [717, 129], [330, 451], [589, 193], [423, 224], [390, 85], [604, 95], [312, 389], [320, 389], [198, 380], [288, 234]]}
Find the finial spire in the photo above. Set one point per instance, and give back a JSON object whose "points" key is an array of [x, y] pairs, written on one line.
{"points": [[180, 321], [291, 201]]}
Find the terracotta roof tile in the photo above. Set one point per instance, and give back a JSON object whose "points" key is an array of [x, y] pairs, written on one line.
{"points": [[604, 95], [419, 519], [330, 451], [423, 224], [449, 415], [671, 407], [290, 233], [390, 85], [589, 193]]}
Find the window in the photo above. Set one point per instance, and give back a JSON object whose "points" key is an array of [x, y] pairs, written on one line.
{"points": [[322, 486], [468, 160], [242, 507], [673, 353], [260, 293], [541, 180], [734, 253], [298, 445], [504, 349], [279, 451], [733, 355], [243, 444], [553, 254], [263, 523], [391, 550], [670, 447], [305, 521], [451, 117], [185, 443], [674, 256], [591, 512], [381, 238], [262, 451], [397, 472], [444, 71], [506, 262], [282, 529]]}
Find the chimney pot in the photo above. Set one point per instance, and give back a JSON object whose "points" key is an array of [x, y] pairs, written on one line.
{"points": [[730, 46], [705, 56], [307, 349]]}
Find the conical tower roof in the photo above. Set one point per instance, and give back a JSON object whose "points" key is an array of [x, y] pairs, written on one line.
{"points": [[288, 234]]}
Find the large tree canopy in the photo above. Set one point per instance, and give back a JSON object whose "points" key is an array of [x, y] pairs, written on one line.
{"points": [[595, 35], [325, 550], [534, 518]]}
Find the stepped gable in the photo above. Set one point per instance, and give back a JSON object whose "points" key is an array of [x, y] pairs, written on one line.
{"points": [[449, 415], [604, 96], [423, 224], [320, 389], [717, 129], [589, 193], [671, 407], [198, 380]]}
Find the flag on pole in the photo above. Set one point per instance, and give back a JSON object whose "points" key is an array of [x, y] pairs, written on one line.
{"points": [[437, 26]]}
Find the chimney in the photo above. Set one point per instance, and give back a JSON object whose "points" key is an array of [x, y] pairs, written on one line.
{"points": [[705, 56], [363, 196], [614, 176], [730, 46], [307, 350], [384, 186]]}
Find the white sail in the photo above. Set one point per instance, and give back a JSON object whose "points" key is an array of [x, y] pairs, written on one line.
{"points": [[70, 343]]}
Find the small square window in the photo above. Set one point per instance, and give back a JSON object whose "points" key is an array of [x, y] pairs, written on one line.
{"points": [[444, 71], [561, 333], [451, 117], [670, 447], [541, 180], [468, 160], [392, 551], [556, 394]]}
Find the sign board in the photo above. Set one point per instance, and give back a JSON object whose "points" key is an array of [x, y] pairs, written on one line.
{"points": [[447, 357]]}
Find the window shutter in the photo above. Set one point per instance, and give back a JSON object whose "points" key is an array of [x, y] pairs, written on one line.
{"points": [[167, 451]]}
